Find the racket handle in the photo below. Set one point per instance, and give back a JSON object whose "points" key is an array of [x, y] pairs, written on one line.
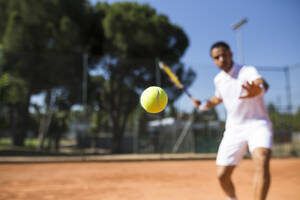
{"points": [[187, 93]]}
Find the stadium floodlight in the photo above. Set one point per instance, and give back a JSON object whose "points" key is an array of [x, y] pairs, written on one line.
{"points": [[237, 27], [240, 23]]}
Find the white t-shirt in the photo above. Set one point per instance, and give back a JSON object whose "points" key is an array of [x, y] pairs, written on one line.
{"points": [[229, 89]]}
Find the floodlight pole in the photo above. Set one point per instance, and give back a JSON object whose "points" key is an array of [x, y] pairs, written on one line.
{"points": [[237, 27], [288, 88]]}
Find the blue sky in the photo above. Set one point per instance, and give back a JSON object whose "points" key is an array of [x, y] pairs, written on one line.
{"points": [[270, 38]]}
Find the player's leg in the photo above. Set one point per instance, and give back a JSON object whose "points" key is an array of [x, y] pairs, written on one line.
{"points": [[224, 176], [261, 157], [231, 151], [260, 145]]}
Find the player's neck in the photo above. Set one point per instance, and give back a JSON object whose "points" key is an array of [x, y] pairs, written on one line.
{"points": [[229, 68]]}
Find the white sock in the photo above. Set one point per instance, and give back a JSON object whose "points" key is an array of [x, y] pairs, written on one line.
{"points": [[232, 198]]}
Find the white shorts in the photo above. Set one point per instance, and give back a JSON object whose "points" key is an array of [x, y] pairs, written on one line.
{"points": [[235, 141]]}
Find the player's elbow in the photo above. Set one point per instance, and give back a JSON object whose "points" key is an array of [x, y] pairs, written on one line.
{"points": [[266, 85]]}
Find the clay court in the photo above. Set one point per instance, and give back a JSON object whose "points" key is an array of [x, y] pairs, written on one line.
{"points": [[146, 180]]}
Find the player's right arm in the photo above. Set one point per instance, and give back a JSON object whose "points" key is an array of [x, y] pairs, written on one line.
{"points": [[212, 102]]}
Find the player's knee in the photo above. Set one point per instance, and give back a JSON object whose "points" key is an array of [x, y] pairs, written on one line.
{"points": [[223, 174], [262, 159]]}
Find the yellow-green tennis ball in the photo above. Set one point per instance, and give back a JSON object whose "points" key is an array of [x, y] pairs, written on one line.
{"points": [[154, 99]]}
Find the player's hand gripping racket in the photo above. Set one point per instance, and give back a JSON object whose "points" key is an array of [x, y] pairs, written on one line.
{"points": [[174, 79]]}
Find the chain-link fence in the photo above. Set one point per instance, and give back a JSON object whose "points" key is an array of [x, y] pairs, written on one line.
{"points": [[69, 105]]}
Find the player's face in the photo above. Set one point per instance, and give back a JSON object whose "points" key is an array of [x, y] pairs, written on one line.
{"points": [[222, 57]]}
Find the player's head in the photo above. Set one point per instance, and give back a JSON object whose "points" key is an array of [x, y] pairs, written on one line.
{"points": [[221, 55]]}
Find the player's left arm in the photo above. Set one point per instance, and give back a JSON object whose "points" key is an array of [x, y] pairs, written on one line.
{"points": [[262, 83], [255, 88]]}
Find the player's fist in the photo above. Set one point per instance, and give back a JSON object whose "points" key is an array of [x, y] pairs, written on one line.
{"points": [[196, 102]]}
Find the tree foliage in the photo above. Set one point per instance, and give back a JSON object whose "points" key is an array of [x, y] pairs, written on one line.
{"points": [[44, 43], [135, 37], [12, 89]]}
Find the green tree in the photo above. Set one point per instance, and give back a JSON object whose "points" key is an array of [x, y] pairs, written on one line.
{"points": [[44, 42], [296, 120], [282, 123], [135, 36], [56, 130], [12, 92]]}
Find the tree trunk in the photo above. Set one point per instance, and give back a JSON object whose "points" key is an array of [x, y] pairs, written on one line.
{"points": [[17, 135], [57, 142], [44, 126], [117, 140], [46, 119], [19, 119], [119, 127]]}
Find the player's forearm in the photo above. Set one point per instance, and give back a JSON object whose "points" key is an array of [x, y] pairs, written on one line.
{"points": [[262, 83], [214, 101]]}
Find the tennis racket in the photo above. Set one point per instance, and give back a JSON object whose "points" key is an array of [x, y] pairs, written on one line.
{"points": [[174, 79]]}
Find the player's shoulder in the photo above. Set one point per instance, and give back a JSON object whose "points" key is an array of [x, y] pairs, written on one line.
{"points": [[219, 77], [249, 72], [247, 68]]}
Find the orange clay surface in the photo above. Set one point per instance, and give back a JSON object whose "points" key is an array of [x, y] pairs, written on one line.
{"points": [[159, 180]]}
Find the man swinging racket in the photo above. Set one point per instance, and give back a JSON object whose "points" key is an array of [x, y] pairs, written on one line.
{"points": [[241, 88]]}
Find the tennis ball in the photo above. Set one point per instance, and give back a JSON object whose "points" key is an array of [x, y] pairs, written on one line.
{"points": [[154, 99]]}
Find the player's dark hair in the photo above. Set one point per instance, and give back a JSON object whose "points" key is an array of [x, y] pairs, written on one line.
{"points": [[219, 44]]}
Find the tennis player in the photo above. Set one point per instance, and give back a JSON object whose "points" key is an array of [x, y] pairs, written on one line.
{"points": [[241, 88]]}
